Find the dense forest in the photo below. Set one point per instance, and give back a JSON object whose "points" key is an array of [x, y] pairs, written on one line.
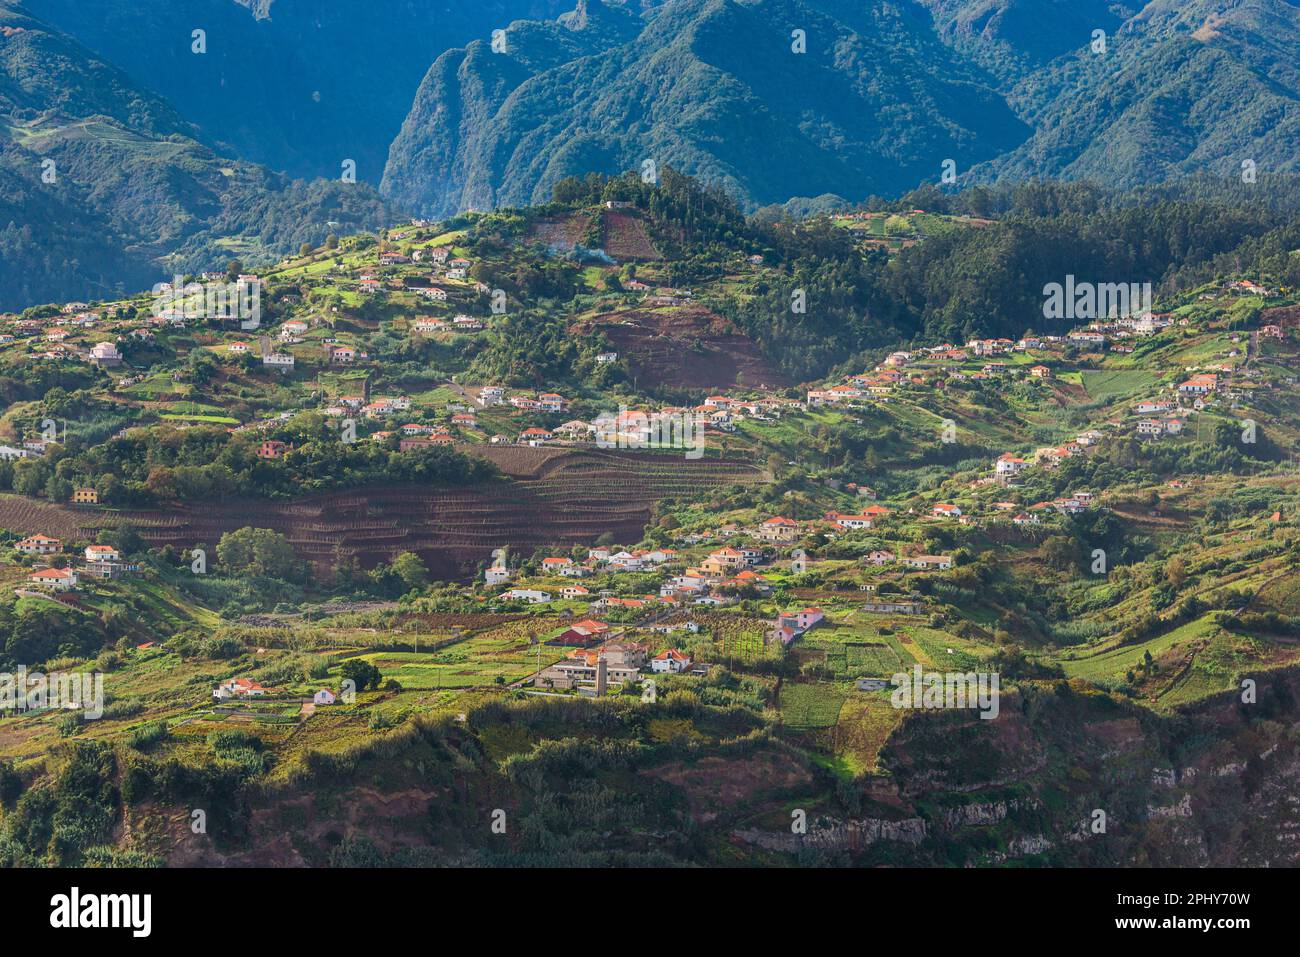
{"points": [[961, 283], [197, 464]]}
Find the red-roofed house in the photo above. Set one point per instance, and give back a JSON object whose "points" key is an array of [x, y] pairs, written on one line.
{"points": [[671, 661], [57, 579], [38, 545]]}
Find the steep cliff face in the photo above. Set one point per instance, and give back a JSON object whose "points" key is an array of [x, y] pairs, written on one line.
{"points": [[1076, 779], [1060, 778]]}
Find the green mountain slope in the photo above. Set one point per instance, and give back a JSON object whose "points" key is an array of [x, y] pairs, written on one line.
{"points": [[105, 188], [1012, 37], [711, 87], [1182, 88], [1007, 89]]}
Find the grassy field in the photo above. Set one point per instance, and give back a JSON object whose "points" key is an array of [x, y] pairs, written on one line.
{"points": [[864, 725], [1104, 385], [812, 704], [479, 660]]}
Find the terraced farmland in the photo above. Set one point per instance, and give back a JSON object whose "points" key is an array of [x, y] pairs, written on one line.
{"points": [[562, 499]]}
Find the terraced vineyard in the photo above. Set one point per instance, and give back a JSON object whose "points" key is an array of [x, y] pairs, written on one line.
{"points": [[31, 516], [554, 498]]}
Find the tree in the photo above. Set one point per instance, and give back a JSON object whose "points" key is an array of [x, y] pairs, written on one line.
{"points": [[258, 551], [1061, 552], [361, 673], [1176, 571], [411, 570], [45, 631], [305, 249]]}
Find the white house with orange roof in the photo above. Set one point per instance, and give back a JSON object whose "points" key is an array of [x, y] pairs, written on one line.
{"points": [[850, 522], [723, 561], [1008, 466], [1201, 384], [239, 688], [55, 579], [671, 661], [38, 545]]}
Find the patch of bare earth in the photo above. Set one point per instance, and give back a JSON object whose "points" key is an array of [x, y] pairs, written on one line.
{"points": [[686, 348], [626, 237], [560, 234], [714, 783]]}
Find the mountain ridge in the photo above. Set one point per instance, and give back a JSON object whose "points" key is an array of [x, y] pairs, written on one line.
{"points": [[692, 91], [883, 99]]}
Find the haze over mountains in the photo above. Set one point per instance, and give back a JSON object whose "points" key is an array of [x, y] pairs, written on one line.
{"points": [[886, 92], [709, 87], [296, 85], [170, 159]]}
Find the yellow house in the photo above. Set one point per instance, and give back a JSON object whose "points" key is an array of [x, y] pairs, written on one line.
{"points": [[85, 496]]}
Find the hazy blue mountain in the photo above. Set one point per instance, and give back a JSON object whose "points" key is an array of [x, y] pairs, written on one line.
{"points": [[104, 188], [168, 158], [1007, 89], [1185, 86], [1014, 37], [711, 87], [296, 85]]}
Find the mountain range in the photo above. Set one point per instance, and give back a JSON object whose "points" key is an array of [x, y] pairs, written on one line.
{"points": [[127, 155], [711, 87], [881, 98], [167, 158]]}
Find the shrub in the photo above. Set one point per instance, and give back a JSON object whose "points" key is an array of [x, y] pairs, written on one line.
{"points": [[149, 736]]}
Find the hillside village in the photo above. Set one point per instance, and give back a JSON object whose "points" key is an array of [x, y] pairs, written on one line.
{"points": [[378, 499]]}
